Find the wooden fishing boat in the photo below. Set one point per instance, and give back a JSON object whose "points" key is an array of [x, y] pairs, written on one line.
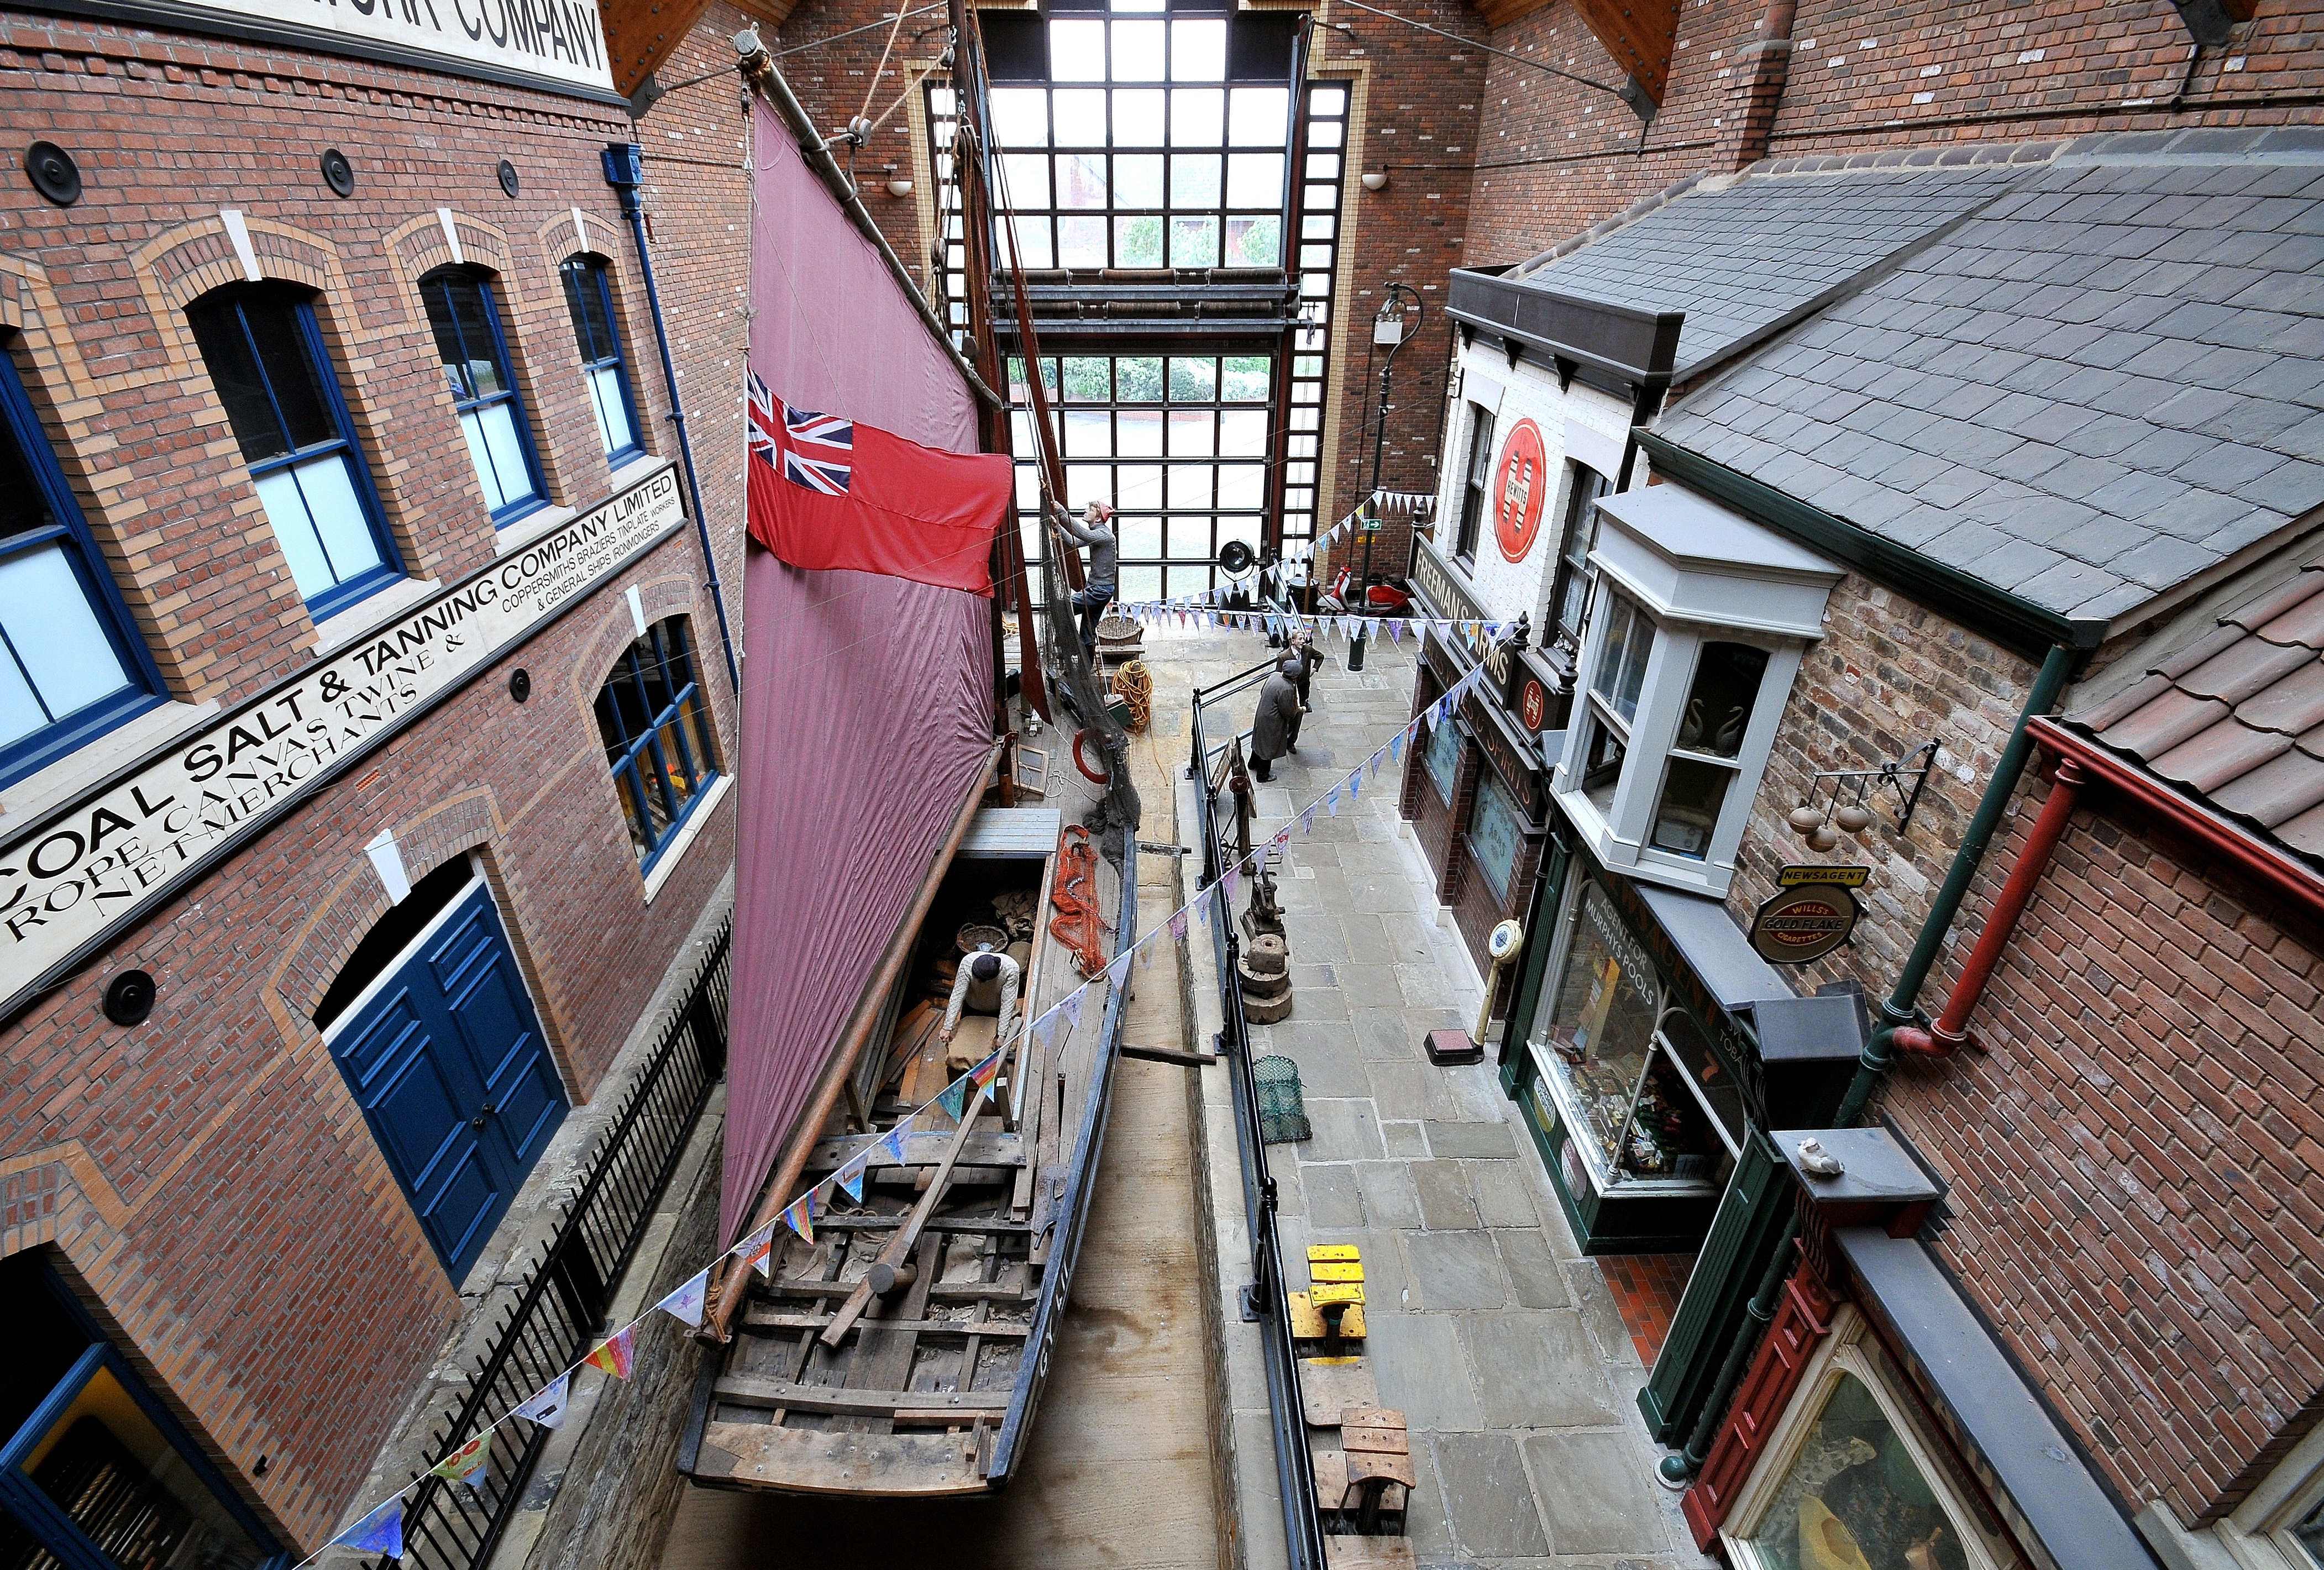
{"points": [[903, 1351]]}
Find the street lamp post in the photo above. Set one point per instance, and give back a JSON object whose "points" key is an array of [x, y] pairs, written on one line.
{"points": [[1388, 332]]}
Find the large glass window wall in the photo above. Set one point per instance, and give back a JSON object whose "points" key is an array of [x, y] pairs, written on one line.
{"points": [[1176, 442]]}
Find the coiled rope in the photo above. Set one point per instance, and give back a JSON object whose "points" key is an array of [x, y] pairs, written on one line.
{"points": [[1134, 685]]}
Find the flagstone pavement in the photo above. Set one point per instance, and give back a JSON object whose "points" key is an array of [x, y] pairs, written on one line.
{"points": [[1499, 1340]]}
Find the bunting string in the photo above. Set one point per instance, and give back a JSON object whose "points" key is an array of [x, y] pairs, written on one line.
{"points": [[380, 1529]]}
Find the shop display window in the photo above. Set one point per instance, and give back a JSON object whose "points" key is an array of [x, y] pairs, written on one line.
{"points": [[1495, 834], [1441, 757], [1606, 1055], [1855, 1480]]}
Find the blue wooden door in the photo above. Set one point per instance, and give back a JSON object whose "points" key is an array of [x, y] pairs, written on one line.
{"points": [[449, 1065]]}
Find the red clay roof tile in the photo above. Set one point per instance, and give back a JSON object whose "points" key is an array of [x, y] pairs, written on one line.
{"points": [[2278, 791], [2170, 720]]}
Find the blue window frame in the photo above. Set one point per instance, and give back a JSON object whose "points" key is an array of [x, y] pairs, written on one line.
{"points": [[656, 726], [95, 1473], [589, 300], [468, 337], [273, 371], [72, 666], [1496, 834]]}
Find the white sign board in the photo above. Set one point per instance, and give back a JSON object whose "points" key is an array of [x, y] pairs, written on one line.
{"points": [[84, 870], [559, 42]]}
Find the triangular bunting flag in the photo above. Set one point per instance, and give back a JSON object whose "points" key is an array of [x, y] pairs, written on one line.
{"points": [[380, 1532], [758, 1249], [1307, 820], [1178, 926], [685, 1304], [466, 1464], [1232, 882], [850, 1178], [1356, 783], [1045, 1029], [1072, 1007], [1376, 759], [954, 1097], [1118, 973], [547, 1405], [982, 1075], [1146, 953], [1332, 800], [891, 1148], [1396, 743], [615, 1354], [800, 1215]]}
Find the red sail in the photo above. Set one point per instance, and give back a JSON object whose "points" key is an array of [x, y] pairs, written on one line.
{"points": [[867, 695]]}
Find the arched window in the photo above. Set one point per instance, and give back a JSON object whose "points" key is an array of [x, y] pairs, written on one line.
{"points": [[590, 299], [656, 724], [72, 666], [466, 322], [272, 372]]}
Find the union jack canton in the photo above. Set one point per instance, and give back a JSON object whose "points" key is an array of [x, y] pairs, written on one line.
{"points": [[816, 450]]}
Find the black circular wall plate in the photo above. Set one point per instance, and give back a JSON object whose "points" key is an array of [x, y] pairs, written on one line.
{"points": [[337, 173], [129, 997], [520, 684], [53, 173], [508, 177]]}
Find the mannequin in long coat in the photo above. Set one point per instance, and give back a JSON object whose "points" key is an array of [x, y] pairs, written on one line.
{"points": [[1275, 728]]}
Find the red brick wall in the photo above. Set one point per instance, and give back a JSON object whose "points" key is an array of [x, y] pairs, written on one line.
{"points": [[2135, 1204], [208, 1174]]}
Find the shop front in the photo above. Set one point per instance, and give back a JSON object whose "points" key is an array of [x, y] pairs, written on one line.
{"points": [[1476, 790], [1647, 1042], [1879, 1423]]}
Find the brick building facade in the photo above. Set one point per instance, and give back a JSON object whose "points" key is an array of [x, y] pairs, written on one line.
{"points": [[211, 1183]]}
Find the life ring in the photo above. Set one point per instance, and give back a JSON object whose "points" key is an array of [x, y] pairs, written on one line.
{"points": [[1095, 776]]}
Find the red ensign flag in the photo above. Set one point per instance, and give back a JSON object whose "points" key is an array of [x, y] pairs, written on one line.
{"points": [[833, 492]]}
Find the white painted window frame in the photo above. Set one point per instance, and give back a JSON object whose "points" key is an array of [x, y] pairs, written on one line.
{"points": [[1619, 837], [1842, 1353]]}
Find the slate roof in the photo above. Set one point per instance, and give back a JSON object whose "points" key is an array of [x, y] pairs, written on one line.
{"points": [[1742, 260], [2238, 717], [2107, 381]]}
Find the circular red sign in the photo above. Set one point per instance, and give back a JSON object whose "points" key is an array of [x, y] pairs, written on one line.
{"points": [[1520, 491], [1534, 707]]}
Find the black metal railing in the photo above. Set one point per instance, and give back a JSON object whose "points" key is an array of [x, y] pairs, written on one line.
{"points": [[1263, 1298], [562, 1305]]}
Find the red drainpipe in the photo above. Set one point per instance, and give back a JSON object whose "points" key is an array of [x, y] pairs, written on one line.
{"points": [[1951, 1033]]}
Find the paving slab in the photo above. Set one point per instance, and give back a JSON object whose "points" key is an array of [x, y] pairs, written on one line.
{"points": [[1594, 1496], [1455, 1269], [1471, 1139], [1533, 1269], [1332, 1195], [1487, 1498], [1412, 1089], [1504, 1198], [1536, 1370], [1403, 1139], [1389, 1197], [1417, 1361], [1345, 1131], [1445, 1202]]}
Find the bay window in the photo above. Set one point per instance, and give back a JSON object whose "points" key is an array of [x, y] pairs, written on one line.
{"points": [[266, 357], [467, 323], [1700, 622]]}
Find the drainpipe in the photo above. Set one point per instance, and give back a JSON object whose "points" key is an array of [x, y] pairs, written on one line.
{"points": [[1951, 1033], [1898, 1010], [625, 172]]}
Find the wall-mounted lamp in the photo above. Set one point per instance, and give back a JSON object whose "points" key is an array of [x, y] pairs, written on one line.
{"points": [[1376, 179], [899, 185]]}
